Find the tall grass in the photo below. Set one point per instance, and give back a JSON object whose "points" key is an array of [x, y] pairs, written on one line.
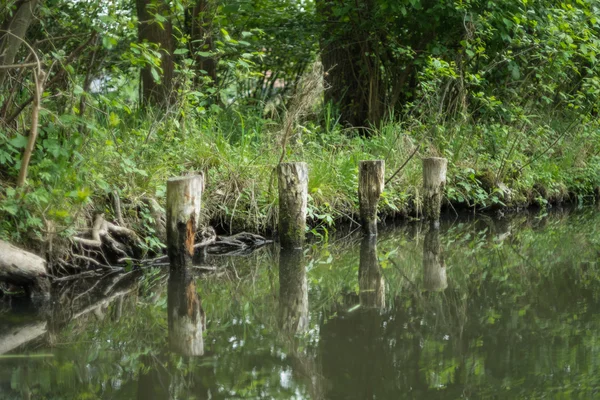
{"points": [[491, 165]]}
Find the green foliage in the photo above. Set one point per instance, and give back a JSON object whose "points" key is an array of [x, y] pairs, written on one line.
{"points": [[506, 91]]}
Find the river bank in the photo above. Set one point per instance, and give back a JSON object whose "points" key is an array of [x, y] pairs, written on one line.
{"points": [[128, 187]]}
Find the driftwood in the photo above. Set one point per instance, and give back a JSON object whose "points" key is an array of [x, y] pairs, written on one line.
{"points": [[104, 245], [24, 269]]}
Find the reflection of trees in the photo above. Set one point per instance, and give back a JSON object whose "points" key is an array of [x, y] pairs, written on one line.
{"points": [[519, 319], [371, 282], [72, 300], [153, 380], [355, 357], [78, 308]]}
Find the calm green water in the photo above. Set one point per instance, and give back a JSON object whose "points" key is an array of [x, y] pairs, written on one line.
{"points": [[506, 309]]}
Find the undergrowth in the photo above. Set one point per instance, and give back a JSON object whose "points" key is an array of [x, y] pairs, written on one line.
{"points": [[491, 165]]}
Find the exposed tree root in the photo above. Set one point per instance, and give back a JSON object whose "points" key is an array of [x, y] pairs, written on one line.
{"points": [[106, 245], [110, 242]]}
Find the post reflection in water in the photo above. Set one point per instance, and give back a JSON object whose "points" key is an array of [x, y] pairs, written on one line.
{"points": [[434, 267], [371, 282], [186, 316], [356, 361], [293, 292], [166, 377]]}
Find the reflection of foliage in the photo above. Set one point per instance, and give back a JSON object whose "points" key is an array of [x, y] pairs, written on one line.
{"points": [[518, 320]]}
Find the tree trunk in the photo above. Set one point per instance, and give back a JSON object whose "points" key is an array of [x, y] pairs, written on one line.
{"points": [[33, 133], [340, 56], [23, 269], [17, 25], [156, 92], [352, 71], [202, 40]]}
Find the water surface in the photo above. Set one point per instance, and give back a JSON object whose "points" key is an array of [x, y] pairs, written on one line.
{"points": [[480, 309]]}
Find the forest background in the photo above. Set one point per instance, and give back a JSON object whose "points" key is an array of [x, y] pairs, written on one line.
{"points": [[105, 100]]}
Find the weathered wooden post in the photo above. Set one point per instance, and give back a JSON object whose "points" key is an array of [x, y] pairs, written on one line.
{"points": [[434, 267], [186, 316], [371, 282], [293, 292], [434, 180], [293, 193], [370, 186], [184, 196]]}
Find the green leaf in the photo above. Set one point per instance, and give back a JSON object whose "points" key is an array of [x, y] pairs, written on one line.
{"points": [[107, 43], [12, 209], [18, 142], [155, 74]]}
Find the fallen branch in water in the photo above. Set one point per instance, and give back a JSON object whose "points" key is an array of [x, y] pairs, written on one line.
{"points": [[24, 269], [241, 243]]}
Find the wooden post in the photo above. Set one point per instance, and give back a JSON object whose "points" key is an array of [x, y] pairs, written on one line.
{"points": [[434, 180], [184, 196], [293, 193], [370, 186], [371, 282], [24, 269], [186, 316], [293, 292], [434, 267]]}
